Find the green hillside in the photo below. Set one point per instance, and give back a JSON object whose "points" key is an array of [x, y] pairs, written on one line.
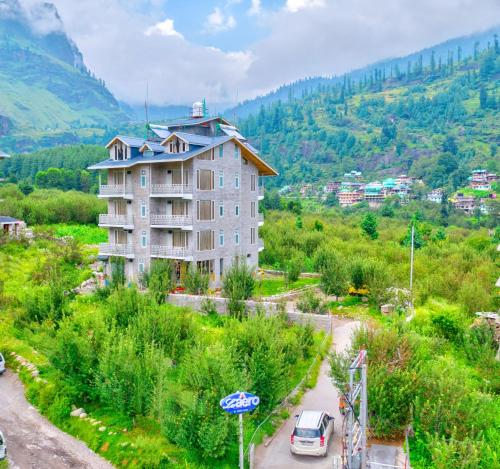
{"points": [[434, 122], [47, 96]]}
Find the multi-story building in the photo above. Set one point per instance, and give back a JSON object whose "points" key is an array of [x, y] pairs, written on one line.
{"points": [[436, 196], [189, 193], [481, 180], [466, 203], [349, 197], [332, 186]]}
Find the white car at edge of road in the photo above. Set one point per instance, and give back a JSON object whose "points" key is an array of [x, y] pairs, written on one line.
{"points": [[312, 433]]}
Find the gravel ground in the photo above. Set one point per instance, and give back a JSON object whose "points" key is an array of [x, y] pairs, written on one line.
{"points": [[32, 441]]}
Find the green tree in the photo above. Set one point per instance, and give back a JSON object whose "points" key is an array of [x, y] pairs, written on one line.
{"points": [[369, 226], [159, 279]]}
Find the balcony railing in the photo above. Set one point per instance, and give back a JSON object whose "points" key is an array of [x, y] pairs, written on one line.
{"points": [[160, 189], [116, 249], [115, 220], [171, 252], [112, 189], [160, 219]]}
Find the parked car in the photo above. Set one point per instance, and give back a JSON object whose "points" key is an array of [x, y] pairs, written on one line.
{"points": [[311, 433], [3, 447], [2, 364]]}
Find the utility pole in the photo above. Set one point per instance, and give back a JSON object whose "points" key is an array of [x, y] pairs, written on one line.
{"points": [[356, 421], [242, 461]]}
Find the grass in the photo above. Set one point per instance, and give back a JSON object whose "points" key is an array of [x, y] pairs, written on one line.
{"points": [[275, 286], [86, 234]]}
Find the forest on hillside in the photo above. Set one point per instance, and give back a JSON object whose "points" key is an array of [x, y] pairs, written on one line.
{"points": [[434, 122]]}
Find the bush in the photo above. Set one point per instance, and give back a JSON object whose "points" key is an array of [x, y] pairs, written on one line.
{"points": [[159, 279], [310, 302], [334, 274], [196, 282], [238, 286]]}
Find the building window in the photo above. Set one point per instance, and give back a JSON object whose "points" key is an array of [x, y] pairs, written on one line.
{"points": [[237, 210], [221, 238], [204, 180], [253, 184], [252, 209], [221, 209], [221, 267], [221, 179], [141, 267], [208, 155], [252, 235], [143, 209], [143, 178], [236, 151], [237, 237], [205, 240], [205, 210], [237, 180], [144, 239], [221, 151]]}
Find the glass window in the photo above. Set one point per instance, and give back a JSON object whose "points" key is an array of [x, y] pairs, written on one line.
{"points": [[221, 179], [236, 151], [221, 209], [237, 237], [143, 178], [252, 235], [237, 210], [143, 210], [144, 239], [221, 238], [141, 267], [237, 180], [221, 151]]}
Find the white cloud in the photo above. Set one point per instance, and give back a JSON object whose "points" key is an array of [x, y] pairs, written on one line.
{"points": [[341, 36], [296, 5], [217, 21], [163, 28], [255, 7]]}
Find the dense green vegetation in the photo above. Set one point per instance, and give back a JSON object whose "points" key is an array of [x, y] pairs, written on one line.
{"points": [[129, 360], [438, 373], [47, 206], [434, 122], [453, 263]]}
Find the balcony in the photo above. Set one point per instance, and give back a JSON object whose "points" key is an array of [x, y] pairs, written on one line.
{"points": [[172, 190], [124, 250], [172, 252], [260, 244], [261, 192], [160, 220], [109, 219], [112, 190], [260, 218]]}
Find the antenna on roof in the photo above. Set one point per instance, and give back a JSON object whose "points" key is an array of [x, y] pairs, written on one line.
{"points": [[146, 109]]}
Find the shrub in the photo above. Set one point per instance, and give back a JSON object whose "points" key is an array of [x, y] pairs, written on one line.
{"points": [[334, 274], [310, 302], [117, 272], [238, 285], [196, 281], [159, 279]]}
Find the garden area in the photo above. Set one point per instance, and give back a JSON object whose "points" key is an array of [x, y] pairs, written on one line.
{"points": [[127, 359]]}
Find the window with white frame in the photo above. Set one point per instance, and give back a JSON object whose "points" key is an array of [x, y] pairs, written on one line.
{"points": [[144, 180], [237, 237], [221, 179], [237, 210], [144, 209], [253, 184], [221, 238], [252, 235], [252, 209], [144, 239], [204, 180], [237, 180], [221, 209], [205, 210], [236, 151], [221, 151], [205, 240], [141, 267]]}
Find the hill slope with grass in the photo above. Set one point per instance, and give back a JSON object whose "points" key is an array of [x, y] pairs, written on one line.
{"points": [[435, 122], [47, 95]]}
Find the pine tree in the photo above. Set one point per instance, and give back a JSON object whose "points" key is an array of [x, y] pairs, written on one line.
{"points": [[369, 226]]}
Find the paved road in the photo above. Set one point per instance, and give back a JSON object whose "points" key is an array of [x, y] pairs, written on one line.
{"points": [[32, 441], [323, 397]]}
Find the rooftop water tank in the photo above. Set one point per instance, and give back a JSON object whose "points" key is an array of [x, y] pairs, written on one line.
{"points": [[198, 109]]}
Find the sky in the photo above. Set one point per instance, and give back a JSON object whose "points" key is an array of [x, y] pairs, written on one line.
{"points": [[229, 50]]}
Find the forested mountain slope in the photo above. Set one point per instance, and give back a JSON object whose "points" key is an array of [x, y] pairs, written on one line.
{"points": [[47, 95], [435, 122]]}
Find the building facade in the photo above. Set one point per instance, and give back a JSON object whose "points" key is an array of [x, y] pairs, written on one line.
{"points": [[190, 192]]}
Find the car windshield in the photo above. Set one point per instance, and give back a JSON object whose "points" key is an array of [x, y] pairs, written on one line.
{"points": [[306, 433]]}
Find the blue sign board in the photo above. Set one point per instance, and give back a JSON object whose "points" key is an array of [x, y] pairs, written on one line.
{"points": [[239, 403]]}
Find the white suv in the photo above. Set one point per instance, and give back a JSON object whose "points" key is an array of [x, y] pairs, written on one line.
{"points": [[2, 364], [311, 433]]}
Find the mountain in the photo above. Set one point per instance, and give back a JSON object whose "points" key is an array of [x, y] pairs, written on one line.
{"points": [[47, 95], [434, 122], [454, 49]]}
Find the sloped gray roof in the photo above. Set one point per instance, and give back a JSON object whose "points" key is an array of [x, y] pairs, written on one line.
{"points": [[161, 157], [194, 139], [134, 142], [4, 155], [8, 219], [194, 121], [160, 130], [154, 146]]}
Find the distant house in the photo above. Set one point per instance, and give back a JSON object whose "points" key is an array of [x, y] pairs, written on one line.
{"points": [[332, 186], [374, 194], [349, 197], [3, 155], [435, 196], [481, 180], [11, 227], [466, 203], [405, 180]]}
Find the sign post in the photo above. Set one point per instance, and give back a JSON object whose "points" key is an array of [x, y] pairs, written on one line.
{"points": [[240, 403]]}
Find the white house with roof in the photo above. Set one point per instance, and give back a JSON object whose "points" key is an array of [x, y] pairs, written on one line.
{"points": [[190, 192]]}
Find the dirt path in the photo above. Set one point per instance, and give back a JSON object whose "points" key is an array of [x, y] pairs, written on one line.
{"points": [[32, 441], [323, 397]]}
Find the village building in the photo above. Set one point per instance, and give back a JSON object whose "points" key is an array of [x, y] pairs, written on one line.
{"points": [[435, 196], [349, 197], [332, 187], [190, 192], [11, 227], [374, 194], [467, 203], [481, 180]]}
